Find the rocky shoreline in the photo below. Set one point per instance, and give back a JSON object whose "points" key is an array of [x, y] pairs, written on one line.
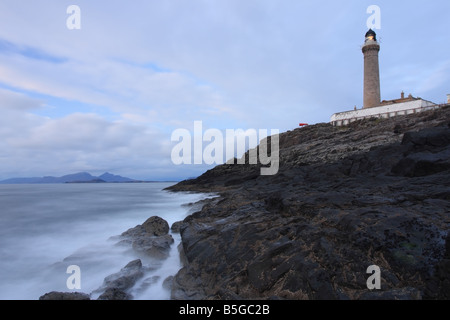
{"points": [[373, 193], [376, 192], [152, 242]]}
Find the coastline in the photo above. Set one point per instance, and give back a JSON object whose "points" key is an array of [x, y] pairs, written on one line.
{"points": [[375, 193], [372, 193], [147, 254]]}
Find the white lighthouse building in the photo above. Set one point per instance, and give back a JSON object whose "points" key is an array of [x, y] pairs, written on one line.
{"points": [[373, 107]]}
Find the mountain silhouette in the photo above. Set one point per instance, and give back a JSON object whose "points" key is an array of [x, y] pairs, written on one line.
{"points": [[77, 177]]}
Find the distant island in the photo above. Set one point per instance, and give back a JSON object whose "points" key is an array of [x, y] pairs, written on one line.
{"points": [[82, 177]]}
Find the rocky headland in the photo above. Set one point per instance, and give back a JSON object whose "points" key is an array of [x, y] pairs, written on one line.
{"points": [[375, 192]]}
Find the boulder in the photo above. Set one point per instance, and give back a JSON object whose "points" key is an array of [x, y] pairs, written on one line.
{"points": [[167, 283], [151, 238], [176, 226], [156, 226], [115, 285], [114, 294], [154, 247], [65, 296]]}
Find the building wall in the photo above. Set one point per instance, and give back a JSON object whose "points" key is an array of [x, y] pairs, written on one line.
{"points": [[388, 111]]}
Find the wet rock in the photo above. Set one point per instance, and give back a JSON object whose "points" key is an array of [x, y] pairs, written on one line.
{"points": [[167, 283], [371, 193], [126, 277], [176, 226], [154, 226], [149, 282], [115, 294], [155, 247], [65, 296], [182, 255], [151, 238], [115, 285], [186, 286]]}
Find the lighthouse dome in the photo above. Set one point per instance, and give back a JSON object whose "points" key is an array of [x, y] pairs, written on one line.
{"points": [[371, 35]]}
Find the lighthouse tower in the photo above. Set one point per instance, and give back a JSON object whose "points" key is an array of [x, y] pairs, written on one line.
{"points": [[370, 49], [373, 106]]}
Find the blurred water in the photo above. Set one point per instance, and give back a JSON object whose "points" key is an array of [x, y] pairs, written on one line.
{"points": [[46, 228]]}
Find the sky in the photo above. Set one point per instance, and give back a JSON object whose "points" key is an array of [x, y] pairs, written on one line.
{"points": [[108, 96]]}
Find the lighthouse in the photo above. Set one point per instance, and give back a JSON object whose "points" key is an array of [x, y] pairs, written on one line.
{"points": [[373, 106], [370, 49]]}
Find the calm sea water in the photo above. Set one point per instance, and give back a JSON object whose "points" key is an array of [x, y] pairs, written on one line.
{"points": [[46, 228]]}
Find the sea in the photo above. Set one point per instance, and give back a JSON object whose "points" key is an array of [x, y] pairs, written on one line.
{"points": [[47, 228]]}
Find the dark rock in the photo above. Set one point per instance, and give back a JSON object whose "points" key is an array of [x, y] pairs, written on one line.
{"points": [[438, 286], [126, 277], [167, 283], [183, 258], [325, 292], [151, 238], [149, 282], [156, 226], [115, 285], [344, 198], [447, 247], [135, 265], [186, 286], [65, 296], [176, 226], [155, 247], [115, 294], [145, 284], [422, 165], [427, 153], [394, 294], [274, 202], [428, 138]]}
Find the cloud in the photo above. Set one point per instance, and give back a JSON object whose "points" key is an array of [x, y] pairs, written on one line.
{"points": [[119, 86], [30, 52], [436, 77], [115, 85], [420, 79], [14, 101], [228, 58], [77, 142]]}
